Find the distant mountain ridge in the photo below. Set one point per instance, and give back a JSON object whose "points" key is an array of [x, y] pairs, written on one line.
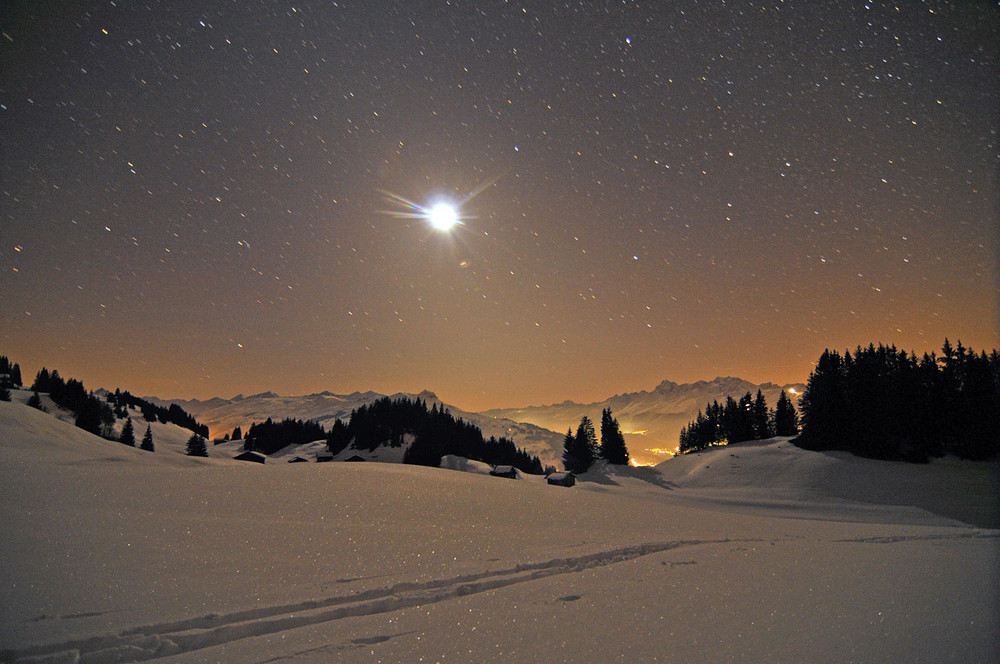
{"points": [[650, 419], [223, 415]]}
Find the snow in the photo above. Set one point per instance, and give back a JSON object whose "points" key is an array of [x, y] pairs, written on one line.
{"points": [[452, 462], [224, 415], [113, 554]]}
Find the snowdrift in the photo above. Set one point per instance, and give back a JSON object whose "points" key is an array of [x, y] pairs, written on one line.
{"points": [[112, 554], [776, 475]]}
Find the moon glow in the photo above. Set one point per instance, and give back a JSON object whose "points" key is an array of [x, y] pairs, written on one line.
{"points": [[442, 216]]}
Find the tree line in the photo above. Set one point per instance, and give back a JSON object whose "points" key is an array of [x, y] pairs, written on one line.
{"points": [[884, 403], [91, 413], [122, 400], [269, 437], [10, 376], [433, 432], [98, 416], [581, 450], [738, 421]]}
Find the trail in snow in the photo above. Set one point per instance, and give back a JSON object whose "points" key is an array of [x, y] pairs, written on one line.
{"points": [[165, 639]]}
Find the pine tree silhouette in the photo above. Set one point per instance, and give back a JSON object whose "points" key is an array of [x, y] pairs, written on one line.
{"points": [[613, 447], [147, 440], [580, 450], [763, 427], [128, 434], [197, 446], [35, 401], [786, 420]]}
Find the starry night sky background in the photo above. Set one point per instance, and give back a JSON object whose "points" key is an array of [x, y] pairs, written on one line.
{"points": [[193, 192]]}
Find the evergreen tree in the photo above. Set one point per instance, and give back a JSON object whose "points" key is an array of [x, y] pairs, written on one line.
{"points": [[128, 434], [707, 429], [737, 420], [884, 403], [431, 434], [89, 417], [271, 436], [763, 427], [338, 439], [569, 449], [35, 401], [237, 434], [426, 450], [587, 436], [10, 373], [824, 404], [786, 420], [6, 378], [42, 381], [685, 439], [613, 447], [197, 446], [147, 440], [580, 450]]}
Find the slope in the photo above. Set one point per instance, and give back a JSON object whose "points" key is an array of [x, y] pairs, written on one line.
{"points": [[110, 554], [786, 477]]}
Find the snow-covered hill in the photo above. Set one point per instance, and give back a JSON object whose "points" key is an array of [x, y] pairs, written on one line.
{"points": [[55, 425], [112, 554], [223, 415], [651, 420]]}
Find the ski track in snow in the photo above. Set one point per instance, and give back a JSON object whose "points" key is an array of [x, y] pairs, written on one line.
{"points": [[173, 638], [921, 538]]}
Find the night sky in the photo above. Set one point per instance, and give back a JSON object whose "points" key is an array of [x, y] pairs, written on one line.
{"points": [[205, 198]]}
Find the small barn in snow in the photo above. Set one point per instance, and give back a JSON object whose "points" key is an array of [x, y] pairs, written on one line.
{"points": [[355, 458], [504, 471], [561, 479], [298, 459], [324, 456], [256, 457]]}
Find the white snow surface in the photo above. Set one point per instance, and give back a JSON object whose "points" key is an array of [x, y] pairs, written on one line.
{"points": [[112, 554]]}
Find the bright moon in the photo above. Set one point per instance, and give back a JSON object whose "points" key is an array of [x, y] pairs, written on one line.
{"points": [[442, 216]]}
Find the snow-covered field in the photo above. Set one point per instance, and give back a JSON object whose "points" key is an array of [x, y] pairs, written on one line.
{"points": [[760, 552]]}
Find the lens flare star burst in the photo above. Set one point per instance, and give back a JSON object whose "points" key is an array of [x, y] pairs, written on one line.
{"points": [[441, 213]]}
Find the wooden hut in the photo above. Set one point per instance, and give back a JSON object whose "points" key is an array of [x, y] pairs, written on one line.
{"points": [[255, 457], [561, 479], [504, 471]]}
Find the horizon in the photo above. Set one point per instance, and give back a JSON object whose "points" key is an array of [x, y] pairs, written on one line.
{"points": [[28, 376]]}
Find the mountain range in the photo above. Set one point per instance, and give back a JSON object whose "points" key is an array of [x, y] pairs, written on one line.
{"points": [[651, 420]]}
